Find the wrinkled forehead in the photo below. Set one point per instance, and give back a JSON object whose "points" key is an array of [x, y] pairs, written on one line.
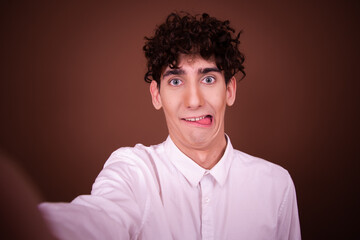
{"points": [[192, 61]]}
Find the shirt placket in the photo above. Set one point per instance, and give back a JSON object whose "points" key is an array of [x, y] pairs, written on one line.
{"points": [[207, 220]]}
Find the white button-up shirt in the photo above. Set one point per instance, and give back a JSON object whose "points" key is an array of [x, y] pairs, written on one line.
{"points": [[157, 192]]}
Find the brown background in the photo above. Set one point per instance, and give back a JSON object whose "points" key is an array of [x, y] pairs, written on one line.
{"points": [[72, 91]]}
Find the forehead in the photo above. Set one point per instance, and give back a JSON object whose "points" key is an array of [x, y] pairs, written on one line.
{"points": [[191, 59], [191, 62]]}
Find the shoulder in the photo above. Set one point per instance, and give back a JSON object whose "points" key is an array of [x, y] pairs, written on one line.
{"points": [[260, 169], [139, 154], [260, 177], [130, 168]]}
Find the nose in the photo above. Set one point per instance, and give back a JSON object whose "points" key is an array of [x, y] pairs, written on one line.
{"points": [[193, 97]]}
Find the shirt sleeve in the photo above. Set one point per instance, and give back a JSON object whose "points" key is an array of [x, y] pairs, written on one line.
{"points": [[288, 221], [73, 221], [116, 208]]}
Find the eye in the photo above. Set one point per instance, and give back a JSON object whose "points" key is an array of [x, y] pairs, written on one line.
{"points": [[208, 80], [175, 82]]}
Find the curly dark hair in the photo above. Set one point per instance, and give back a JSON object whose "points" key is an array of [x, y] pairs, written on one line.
{"points": [[187, 34]]}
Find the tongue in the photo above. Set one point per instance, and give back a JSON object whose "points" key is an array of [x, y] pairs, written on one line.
{"points": [[205, 121]]}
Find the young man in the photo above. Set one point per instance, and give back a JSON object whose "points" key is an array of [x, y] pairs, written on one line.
{"points": [[194, 185]]}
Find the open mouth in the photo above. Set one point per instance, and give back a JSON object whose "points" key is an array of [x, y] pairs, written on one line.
{"points": [[203, 120]]}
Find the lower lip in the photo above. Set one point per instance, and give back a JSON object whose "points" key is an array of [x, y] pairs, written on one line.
{"points": [[197, 124]]}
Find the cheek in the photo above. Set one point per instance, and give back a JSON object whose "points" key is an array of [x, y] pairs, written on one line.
{"points": [[221, 106], [170, 105], [217, 100]]}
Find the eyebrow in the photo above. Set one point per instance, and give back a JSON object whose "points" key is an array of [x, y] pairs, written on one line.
{"points": [[181, 71], [173, 72], [207, 70]]}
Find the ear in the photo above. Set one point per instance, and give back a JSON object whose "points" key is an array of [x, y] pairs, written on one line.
{"points": [[155, 95], [231, 91]]}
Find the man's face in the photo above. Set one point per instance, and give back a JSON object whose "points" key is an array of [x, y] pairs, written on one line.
{"points": [[194, 97]]}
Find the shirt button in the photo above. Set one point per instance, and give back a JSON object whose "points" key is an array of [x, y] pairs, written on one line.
{"points": [[207, 200]]}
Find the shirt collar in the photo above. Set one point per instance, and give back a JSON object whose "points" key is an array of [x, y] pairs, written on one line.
{"points": [[221, 169], [192, 171]]}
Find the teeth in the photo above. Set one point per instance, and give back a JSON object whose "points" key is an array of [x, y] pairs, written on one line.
{"points": [[194, 119]]}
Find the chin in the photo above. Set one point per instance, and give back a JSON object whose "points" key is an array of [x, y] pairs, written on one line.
{"points": [[199, 140]]}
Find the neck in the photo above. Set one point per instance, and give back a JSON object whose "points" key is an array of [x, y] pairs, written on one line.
{"points": [[206, 157]]}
